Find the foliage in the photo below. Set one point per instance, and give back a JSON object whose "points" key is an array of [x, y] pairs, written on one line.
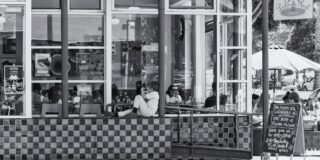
{"points": [[301, 40]]}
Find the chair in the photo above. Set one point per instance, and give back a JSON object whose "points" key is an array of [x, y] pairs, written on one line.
{"points": [[90, 108], [51, 108]]}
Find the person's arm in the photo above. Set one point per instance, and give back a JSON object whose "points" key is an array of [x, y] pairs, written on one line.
{"points": [[167, 98], [179, 99]]}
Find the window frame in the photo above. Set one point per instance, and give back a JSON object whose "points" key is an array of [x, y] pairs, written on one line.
{"points": [[100, 12], [27, 109]]}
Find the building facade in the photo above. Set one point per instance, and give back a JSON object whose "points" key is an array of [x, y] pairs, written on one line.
{"points": [[115, 43]]}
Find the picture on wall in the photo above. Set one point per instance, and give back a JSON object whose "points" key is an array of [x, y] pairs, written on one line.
{"points": [[42, 64], [85, 93], [13, 80]]}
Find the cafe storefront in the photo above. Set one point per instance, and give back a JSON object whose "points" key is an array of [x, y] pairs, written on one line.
{"points": [[201, 47]]}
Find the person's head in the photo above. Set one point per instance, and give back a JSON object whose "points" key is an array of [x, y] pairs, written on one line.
{"points": [[152, 86], [115, 91], [172, 90], [223, 99], [286, 97], [318, 99], [36, 87], [138, 84], [255, 99], [54, 94], [293, 97]]}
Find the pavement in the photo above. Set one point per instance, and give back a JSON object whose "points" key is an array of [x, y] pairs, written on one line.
{"points": [[288, 158]]}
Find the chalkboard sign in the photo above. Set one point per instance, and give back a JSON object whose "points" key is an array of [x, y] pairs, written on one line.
{"points": [[282, 127]]}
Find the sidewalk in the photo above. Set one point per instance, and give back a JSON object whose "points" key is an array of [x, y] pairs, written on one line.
{"points": [[288, 158]]}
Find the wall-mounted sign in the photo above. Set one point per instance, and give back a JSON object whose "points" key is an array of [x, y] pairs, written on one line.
{"points": [[13, 80], [293, 9], [42, 64]]}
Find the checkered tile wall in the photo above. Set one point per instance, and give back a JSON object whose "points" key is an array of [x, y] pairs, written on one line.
{"points": [[220, 131], [85, 138]]}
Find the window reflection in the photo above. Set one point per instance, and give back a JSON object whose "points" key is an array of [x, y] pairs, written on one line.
{"points": [[136, 3], [233, 65], [233, 31], [46, 30], [83, 64], [135, 51], [236, 97], [191, 42], [85, 4], [84, 30], [12, 81], [207, 4], [45, 4], [235, 6]]}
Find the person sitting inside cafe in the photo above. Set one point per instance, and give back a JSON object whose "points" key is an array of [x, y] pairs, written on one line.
{"points": [[172, 95], [145, 104], [212, 100]]}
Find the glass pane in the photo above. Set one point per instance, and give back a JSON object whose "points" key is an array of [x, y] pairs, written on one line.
{"points": [[45, 4], [12, 84], [233, 64], [136, 3], [83, 93], [135, 50], [233, 31], [234, 6], [185, 4], [235, 99], [85, 4], [46, 64], [86, 30], [191, 42], [84, 64], [12, 0], [46, 30]]}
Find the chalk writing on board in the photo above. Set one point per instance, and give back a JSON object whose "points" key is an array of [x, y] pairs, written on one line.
{"points": [[281, 130]]}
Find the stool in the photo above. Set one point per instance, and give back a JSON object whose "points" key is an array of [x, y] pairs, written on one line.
{"points": [[90, 108], [51, 108]]}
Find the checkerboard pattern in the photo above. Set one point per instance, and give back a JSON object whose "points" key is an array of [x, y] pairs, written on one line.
{"points": [[217, 131], [85, 138], [245, 133]]}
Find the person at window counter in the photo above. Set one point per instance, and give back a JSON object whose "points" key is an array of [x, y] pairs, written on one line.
{"points": [[54, 94], [172, 95], [212, 100], [141, 106]]}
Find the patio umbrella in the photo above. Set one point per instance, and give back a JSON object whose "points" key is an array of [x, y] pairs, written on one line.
{"points": [[283, 59], [280, 58]]}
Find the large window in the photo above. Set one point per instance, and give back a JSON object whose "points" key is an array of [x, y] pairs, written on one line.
{"points": [[74, 4], [86, 63], [135, 51], [114, 45], [192, 48], [12, 60], [209, 54]]}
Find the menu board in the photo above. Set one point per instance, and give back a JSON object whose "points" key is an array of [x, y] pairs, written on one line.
{"points": [[282, 128]]}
